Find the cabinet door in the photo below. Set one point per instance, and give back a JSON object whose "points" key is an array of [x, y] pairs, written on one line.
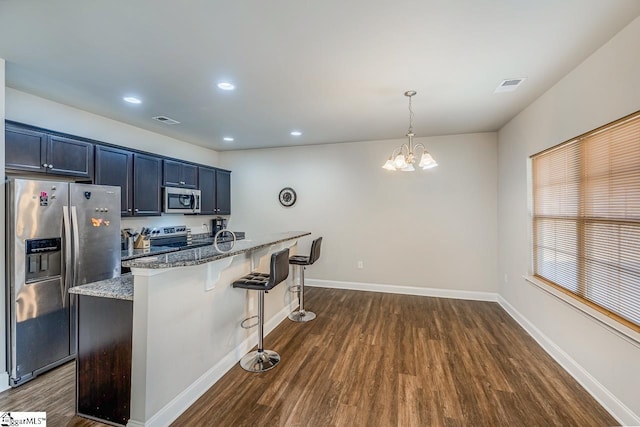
{"points": [[25, 149], [207, 181], [67, 156], [147, 177], [223, 192], [115, 167], [178, 174], [189, 176], [172, 175]]}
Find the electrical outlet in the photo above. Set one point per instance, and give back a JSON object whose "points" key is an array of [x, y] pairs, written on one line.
{"points": [[360, 265]]}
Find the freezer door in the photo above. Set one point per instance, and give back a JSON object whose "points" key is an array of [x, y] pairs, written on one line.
{"points": [[37, 304], [95, 218]]}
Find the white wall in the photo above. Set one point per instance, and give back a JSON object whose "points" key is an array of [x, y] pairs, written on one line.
{"points": [[603, 88], [4, 380], [434, 228]]}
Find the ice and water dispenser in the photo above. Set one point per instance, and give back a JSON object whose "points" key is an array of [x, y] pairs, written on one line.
{"points": [[43, 259]]}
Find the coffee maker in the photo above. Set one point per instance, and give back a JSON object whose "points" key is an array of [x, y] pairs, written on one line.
{"points": [[218, 224]]}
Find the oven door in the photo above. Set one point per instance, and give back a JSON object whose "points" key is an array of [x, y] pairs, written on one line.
{"points": [[181, 200]]}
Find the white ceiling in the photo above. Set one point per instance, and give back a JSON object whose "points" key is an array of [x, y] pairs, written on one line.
{"points": [[334, 69]]}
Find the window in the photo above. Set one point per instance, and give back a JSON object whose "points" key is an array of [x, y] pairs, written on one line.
{"points": [[586, 218]]}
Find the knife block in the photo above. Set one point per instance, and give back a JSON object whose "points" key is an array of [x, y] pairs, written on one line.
{"points": [[142, 242]]}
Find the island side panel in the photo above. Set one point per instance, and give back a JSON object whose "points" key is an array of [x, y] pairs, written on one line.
{"points": [[104, 358]]}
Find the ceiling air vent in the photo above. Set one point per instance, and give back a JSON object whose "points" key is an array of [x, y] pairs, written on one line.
{"points": [[509, 85], [166, 120]]}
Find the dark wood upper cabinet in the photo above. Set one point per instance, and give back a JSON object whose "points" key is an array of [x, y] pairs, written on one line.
{"points": [[24, 149], [38, 151], [147, 179], [68, 156], [179, 174], [115, 167], [223, 192], [207, 181], [140, 176], [215, 186]]}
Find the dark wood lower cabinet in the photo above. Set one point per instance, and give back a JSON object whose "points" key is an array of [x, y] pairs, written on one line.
{"points": [[103, 365]]}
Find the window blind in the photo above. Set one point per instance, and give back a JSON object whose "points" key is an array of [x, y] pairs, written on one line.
{"points": [[586, 218]]}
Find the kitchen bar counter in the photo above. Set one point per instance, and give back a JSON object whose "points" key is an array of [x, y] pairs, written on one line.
{"points": [[206, 254], [178, 333]]}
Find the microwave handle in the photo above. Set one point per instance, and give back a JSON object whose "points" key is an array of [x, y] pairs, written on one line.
{"points": [[193, 202]]}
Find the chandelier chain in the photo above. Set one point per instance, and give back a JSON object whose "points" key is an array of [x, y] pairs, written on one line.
{"points": [[410, 116]]}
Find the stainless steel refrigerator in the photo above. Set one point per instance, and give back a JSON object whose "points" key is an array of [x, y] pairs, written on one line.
{"points": [[59, 235]]}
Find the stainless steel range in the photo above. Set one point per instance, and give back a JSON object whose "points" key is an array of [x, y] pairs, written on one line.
{"points": [[174, 236], [179, 236]]}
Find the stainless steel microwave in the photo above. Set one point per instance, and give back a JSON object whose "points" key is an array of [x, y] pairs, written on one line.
{"points": [[181, 200]]}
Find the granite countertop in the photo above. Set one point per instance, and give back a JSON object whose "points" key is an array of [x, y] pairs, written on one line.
{"points": [[198, 239], [116, 288], [205, 254], [153, 250]]}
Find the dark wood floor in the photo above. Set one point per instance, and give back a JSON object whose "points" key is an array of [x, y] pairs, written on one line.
{"points": [[53, 392], [373, 359]]}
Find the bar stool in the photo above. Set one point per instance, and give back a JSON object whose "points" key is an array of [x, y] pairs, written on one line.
{"points": [[301, 261], [262, 360]]}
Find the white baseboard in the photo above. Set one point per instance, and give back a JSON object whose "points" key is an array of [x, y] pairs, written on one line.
{"points": [[4, 381], [184, 400], [610, 402], [405, 290]]}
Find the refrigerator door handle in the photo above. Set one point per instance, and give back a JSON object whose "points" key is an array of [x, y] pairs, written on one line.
{"points": [[76, 242], [68, 271]]}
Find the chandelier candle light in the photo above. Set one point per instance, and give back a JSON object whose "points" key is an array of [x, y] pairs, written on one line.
{"points": [[403, 158]]}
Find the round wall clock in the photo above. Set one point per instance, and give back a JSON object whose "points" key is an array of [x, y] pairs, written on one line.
{"points": [[287, 197]]}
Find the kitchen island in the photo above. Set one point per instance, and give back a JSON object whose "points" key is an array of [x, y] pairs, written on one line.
{"points": [[186, 320]]}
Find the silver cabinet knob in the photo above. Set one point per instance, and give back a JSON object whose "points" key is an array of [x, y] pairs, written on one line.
{"points": [[128, 210], [50, 166], [45, 165], [136, 210]]}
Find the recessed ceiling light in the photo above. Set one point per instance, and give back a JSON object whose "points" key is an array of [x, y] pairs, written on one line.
{"points": [[296, 133], [132, 100], [228, 139], [226, 86]]}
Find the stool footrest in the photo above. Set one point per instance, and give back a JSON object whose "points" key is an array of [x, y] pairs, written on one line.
{"points": [[294, 288], [245, 326]]}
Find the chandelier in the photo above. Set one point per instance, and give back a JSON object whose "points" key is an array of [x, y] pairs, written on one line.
{"points": [[403, 157]]}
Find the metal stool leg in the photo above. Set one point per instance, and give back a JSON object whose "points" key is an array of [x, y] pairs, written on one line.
{"points": [[301, 315], [260, 360]]}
